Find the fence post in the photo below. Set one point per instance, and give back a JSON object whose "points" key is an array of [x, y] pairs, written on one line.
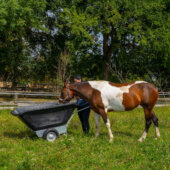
{"points": [[15, 98]]}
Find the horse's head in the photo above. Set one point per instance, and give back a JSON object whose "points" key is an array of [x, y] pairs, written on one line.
{"points": [[66, 94]]}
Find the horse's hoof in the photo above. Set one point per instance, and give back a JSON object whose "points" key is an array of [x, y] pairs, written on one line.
{"points": [[158, 136], [140, 140], [111, 140], [96, 135]]}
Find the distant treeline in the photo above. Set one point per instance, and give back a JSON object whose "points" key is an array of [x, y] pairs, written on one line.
{"points": [[50, 41]]}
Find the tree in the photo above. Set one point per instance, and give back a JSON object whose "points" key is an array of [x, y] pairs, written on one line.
{"points": [[17, 17], [117, 40], [127, 33]]}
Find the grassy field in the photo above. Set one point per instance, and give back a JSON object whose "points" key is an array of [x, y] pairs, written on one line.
{"points": [[21, 149]]}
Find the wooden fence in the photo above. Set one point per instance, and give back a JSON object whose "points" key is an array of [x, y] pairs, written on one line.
{"points": [[12, 99]]}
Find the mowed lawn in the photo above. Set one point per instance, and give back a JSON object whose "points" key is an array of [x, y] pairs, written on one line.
{"points": [[21, 149]]}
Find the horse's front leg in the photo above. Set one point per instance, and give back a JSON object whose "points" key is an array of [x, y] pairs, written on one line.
{"points": [[97, 123], [109, 130], [107, 122]]}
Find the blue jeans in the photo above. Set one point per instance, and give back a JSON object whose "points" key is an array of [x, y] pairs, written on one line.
{"points": [[84, 118]]}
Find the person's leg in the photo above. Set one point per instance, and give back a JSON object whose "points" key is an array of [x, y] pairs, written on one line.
{"points": [[86, 114], [81, 119]]}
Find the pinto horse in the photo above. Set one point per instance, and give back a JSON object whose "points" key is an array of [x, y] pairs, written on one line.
{"points": [[104, 96]]}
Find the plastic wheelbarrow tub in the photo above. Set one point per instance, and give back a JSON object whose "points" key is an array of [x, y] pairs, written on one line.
{"points": [[47, 120]]}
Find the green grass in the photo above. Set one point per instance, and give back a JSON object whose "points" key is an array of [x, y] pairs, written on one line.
{"points": [[21, 149]]}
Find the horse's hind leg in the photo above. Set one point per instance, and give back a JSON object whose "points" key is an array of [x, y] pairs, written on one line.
{"points": [[155, 121], [148, 122], [97, 123]]}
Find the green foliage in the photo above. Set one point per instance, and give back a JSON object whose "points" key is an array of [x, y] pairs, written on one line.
{"points": [[138, 32], [21, 149], [130, 36], [17, 17]]}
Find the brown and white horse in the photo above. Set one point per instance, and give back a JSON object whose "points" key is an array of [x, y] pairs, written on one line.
{"points": [[104, 96]]}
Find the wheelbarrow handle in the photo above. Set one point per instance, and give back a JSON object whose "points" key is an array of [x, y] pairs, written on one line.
{"points": [[75, 113]]}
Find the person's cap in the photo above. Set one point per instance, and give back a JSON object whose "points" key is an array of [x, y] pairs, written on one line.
{"points": [[78, 77]]}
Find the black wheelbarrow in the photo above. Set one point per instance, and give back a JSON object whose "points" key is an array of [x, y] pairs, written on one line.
{"points": [[47, 120]]}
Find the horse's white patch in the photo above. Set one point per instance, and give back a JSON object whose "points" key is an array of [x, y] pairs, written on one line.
{"points": [[119, 95], [143, 136], [157, 132], [124, 89], [112, 96], [109, 130], [138, 82]]}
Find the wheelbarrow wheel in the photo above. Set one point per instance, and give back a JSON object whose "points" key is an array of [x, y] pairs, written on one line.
{"points": [[51, 135]]}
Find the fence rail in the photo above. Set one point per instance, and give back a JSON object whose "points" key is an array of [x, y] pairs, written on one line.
{"points": [[28, 94], [20, 98], [164, 94], [18, 93]]}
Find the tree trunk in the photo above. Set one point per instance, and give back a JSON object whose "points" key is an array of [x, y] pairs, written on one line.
{"points": [[108, 45], [14, 84], [106, 72]]}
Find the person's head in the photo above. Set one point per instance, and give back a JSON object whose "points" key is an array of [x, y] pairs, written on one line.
{"points": [[77, 79]]}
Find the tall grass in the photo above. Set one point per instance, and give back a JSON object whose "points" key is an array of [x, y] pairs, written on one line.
{"points": [[21, 149]]}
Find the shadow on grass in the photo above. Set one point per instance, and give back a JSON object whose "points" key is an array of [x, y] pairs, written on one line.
{"points": [[119, 133], [78, 134], [91, 134], [20, 135]]}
